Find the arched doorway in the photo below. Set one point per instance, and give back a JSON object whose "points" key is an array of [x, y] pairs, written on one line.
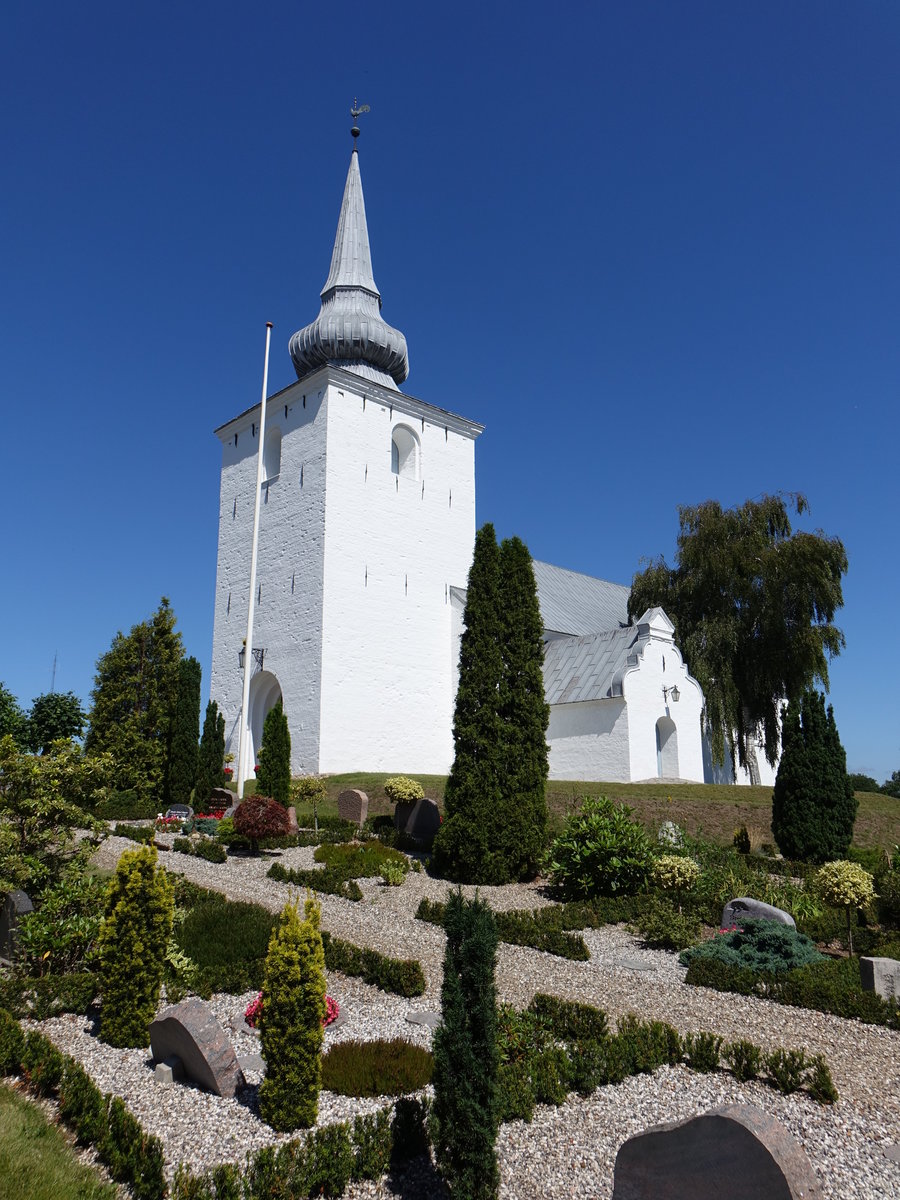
{"points": [[666, 748], [265, 692]]}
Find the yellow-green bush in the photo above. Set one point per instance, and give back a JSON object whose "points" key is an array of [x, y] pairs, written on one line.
{"points": [[675, 873], [846, 885], [133, 940], [290, 1023], [403, 790]]}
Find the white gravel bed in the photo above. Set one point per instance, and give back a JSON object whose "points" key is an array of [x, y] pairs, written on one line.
{"points": [[567, 1151]]}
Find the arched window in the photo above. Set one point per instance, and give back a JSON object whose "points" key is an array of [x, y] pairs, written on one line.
{"points": [[405, 453], [272, 455]]}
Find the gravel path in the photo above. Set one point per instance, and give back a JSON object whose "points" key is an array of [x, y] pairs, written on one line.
{"points": [[567, 1151]]}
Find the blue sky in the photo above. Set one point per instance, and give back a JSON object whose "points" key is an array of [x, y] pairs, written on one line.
{"points": [[653, 247]]}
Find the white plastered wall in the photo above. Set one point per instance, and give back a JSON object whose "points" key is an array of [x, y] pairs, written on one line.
{"points": [[589, 740]]}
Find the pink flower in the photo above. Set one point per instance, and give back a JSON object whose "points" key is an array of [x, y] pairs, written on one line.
{"points": [[254, 1008]]}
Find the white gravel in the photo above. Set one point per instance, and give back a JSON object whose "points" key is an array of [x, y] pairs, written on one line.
{"points": [[565, 1152]]}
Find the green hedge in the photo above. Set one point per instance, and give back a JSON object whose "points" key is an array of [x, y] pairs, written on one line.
{"points": [[832, 986], [327, 881], [48, 996], [128, 806], [402, 976], [136, 833], [539, 928]]}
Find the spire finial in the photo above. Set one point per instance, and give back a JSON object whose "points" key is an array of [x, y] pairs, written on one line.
{"points": [[356, 112]]}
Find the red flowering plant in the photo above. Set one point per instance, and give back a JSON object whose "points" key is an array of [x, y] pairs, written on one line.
{"points": [[254, 1008]]}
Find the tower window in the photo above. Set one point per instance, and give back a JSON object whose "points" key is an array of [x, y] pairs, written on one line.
{"points": [[406, 453], [272, 454]]}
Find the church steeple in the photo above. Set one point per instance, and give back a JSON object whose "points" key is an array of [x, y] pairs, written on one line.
{"points": [[349, 331]]}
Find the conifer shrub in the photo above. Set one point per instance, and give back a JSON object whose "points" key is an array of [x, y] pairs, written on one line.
{"points": [[12, 1044], [383, 1067], [786, 1069], [81, 1104], [183, 757], [660, 926], [370, 1136], [601, 851], [133, 940], [211, 758], [260, 816], [761, 946], [570, 1020], [274, 775], [465, 1053], [328, 882], [291, 1020], [540, 928], [403, 790], [744, 1060], [217, 932], [144, 834], [813, 804], [819, 1082], [42, 1064], [330, 1160], [356, 861], [402, 976], [702, 1051]]}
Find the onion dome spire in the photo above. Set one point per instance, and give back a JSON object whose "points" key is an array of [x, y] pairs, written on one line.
{"points": [[349, 331]]}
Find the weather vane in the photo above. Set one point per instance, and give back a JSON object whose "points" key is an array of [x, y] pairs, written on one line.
{"points": [[356, 112]]}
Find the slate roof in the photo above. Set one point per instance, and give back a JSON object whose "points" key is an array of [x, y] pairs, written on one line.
{"points": [[579, 604], [588, 668]]}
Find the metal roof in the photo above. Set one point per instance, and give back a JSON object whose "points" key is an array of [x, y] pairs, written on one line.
{"points": [[587, 668], [579, 604]]}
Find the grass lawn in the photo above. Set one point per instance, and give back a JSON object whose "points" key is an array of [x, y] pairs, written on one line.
{"points": [[715, 809], [36, 1161]]}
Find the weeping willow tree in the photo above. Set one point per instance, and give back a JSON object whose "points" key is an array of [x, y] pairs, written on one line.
{"points": [[753, 604]]}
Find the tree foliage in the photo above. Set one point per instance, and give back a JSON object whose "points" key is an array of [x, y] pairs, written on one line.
{"points": [[13, 721], [184, 754], [210, 769], [465, 1053], [813, 805], [292, 1020], [133, 939], [133, 702], [753, 605], [494, 801], [274, 775], [54, 716], [260, 817], [44, 800], [891, 787]]}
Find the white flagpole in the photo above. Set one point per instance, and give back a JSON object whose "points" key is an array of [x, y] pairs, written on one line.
{"points": [[244, 740]]}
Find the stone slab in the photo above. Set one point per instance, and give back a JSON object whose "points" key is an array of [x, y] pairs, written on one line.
{"points": [[168, 1072], [16, 905], [251, 1062], [353, 805], [892, 1152], [746, 906], [189, 1031], [737, 1151], [880, 975], [293, 827], [633, 964], [430, 1020]]}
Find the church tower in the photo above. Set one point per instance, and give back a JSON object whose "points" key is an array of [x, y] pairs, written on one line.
{"points": [[367, 525]]}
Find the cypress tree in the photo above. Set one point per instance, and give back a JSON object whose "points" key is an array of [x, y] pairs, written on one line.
{"points": [[133, 939], [274, 775], [291, 1022], [525, 714], [465, 847], [211, 770], [184, 756], [465, 1054], [813, 805]]}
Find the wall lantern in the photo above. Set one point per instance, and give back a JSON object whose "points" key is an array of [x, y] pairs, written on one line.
{"points": [[671, 691], [259, 655]]}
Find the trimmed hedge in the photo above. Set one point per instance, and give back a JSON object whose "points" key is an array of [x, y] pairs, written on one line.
{"points": [[402, 976], [539, 928], [832, 987], [327, 882], [144, 834], [48, 996]]}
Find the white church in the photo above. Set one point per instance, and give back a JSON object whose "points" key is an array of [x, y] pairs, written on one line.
{"points": [[366, 534]]}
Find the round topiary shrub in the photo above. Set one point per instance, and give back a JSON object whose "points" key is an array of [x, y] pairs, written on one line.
{"points": [[601, 851], [845, 885], [260, 817], [675, 873], [403, 790], [761, 946]]}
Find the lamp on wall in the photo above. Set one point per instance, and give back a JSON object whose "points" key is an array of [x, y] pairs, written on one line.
{"points": [[259, 655], [671, 691]]}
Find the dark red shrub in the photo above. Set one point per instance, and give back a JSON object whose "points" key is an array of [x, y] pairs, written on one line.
{"points": [[260, 817]]}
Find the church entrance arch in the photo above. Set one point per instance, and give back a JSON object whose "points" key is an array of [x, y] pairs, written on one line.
{"points": [[265, 692], [666, 748]]}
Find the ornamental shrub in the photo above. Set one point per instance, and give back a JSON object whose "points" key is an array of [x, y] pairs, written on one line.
{"points": [[210, 767], [258, 817], [601, 851], [813, 805], [274, 775], [660, 926], [760, 946], [785, 1069], [675, 873], [702, 1051], [183, 759], [132, 947], [744, 1059], [845, 885], [291, 1020], [403, 790], [12, 1043], [384, 1067], [465, 1113]]}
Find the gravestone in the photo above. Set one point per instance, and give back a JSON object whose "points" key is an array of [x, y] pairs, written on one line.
{"points": [[880, 975], [424, 821], [180, 810], [221, 798], [189, 1031], [670, 835], [746, 906], [737, 1151], [15, 906], [353, 805], [293, 827]]}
